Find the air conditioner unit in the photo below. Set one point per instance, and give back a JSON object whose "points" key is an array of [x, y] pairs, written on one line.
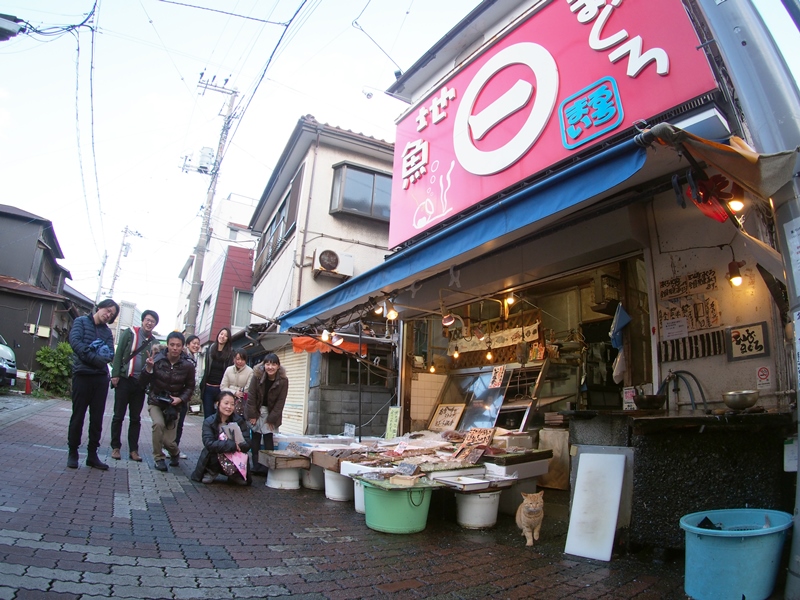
{"points": [[333, 264]]}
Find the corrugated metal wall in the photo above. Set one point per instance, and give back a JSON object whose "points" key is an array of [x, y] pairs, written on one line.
{"points": [[295, 412]]}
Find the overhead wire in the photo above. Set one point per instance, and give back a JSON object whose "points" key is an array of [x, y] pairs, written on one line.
{"points": [[164, 47], [78, 138], [91, 122], [242, 111]]}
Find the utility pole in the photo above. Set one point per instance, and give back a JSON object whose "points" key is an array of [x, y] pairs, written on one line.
{"points": [[100, 275], [123, 250], [202, 242], [769, 97]]}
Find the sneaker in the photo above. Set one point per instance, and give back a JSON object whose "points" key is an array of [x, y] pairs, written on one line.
{"points": [[161, 465], [115, 454], [209, 478], [182, 455], [174, 461], [135, 456]]}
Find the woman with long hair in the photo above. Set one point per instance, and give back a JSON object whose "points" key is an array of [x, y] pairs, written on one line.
{"points": [[218, 358], [223, 433], [264, 409]]}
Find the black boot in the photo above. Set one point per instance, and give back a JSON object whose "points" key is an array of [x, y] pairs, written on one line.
{"points": [[255, 448], [72, 459], [92, 460]]}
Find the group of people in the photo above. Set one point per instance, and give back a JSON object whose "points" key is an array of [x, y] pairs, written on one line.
{"points": [[242, 406]]}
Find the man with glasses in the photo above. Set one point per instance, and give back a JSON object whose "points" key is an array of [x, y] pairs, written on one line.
{"points": [[129, 359]]}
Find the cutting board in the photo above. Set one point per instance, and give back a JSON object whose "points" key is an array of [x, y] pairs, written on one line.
{"points": [[595, 505]]}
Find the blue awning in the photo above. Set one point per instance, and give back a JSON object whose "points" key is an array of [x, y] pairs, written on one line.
{"points": [[488, 229]]}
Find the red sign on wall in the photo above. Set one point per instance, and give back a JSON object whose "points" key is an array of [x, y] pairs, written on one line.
{"points": [[574, 73]]}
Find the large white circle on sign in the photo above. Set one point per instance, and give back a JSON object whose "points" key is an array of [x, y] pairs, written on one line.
{"points": [[543, 65]]}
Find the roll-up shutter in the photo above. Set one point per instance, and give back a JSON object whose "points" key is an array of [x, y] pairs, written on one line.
{"points": [[295, 412]]}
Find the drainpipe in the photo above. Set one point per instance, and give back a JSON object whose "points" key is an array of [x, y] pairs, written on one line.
{"points": [[769, 99], [302, 262]]}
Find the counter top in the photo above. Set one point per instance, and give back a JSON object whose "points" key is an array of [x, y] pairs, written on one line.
{"points": [[655, 421]]}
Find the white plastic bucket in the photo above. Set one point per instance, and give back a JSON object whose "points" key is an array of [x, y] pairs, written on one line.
{"points": [[314, 478], [477, 511], [359, 497], [338, 487], [284, 479]]}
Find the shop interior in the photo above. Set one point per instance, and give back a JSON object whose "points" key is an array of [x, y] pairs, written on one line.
{"points": [[519, 358]]}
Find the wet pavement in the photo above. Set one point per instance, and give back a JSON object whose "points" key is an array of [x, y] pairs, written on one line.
{"points": [[134, 532]]}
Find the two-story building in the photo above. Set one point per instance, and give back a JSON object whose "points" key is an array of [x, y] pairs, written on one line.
{"points": [[36, 309], [324, 218]]}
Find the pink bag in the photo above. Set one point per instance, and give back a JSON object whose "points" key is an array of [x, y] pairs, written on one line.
{"points": [[233, 462]]}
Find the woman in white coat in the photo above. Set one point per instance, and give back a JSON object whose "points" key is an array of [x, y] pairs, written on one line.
{"points": [[236, 380]]}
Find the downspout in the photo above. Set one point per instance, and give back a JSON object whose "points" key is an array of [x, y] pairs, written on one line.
{"points": [[302, 261]]}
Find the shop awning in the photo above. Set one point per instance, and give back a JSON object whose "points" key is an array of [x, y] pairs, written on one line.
{"points": [[483, 231]]}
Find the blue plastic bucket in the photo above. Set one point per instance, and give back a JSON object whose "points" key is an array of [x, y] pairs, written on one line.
{"points": [[738, 561]]}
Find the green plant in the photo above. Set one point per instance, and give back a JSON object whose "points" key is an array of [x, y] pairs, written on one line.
{"points": [[56, 369]]}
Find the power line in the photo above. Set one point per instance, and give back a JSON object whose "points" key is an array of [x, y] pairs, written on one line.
{"points": [[91, 125], [266, 67], [225, 13], [78, 136]]}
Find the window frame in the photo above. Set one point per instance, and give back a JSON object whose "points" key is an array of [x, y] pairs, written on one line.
{"points": [[337, 203]]}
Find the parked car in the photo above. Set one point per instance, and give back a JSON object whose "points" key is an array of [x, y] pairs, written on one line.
{"points": [[8, 364]]}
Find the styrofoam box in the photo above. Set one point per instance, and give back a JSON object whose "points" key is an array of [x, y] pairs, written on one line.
{"points": [[523, 470]]}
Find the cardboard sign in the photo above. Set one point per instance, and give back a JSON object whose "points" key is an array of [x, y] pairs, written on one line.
{"points": [[446, 417], [392, 422]]}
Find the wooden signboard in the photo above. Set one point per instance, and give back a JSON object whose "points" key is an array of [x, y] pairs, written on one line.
{"points": [[477, 436], [446, 417]]}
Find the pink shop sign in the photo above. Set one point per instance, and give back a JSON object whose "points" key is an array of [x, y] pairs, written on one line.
{"points": [[571, 75]]}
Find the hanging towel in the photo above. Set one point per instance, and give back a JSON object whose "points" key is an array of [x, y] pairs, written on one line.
{"points": [[621, 319]]}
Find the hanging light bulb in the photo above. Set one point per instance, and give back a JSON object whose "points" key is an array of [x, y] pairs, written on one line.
{"points": [[432, 368], [734, 275], [489, 355], [510, 299], [326, 335], [736, 205], [390, 311], [455, 353]]}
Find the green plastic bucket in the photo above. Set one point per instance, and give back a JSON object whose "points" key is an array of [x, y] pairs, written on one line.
{"points": [[396, 510], [738, 561]]}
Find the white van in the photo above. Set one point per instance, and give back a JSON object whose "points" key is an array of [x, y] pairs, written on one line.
{"points": [[8, 364]]}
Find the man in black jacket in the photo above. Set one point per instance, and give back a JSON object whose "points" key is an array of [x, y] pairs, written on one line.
{"points": [[93, 347], [170, 375]]}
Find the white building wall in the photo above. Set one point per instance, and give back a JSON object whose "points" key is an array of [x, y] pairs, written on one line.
{"points": [[683, 241]]}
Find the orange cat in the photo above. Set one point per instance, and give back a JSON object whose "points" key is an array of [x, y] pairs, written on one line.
{"points": [[530, 514]]}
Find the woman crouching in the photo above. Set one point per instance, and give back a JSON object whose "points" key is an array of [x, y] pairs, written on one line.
{"points": [[224, 446]]}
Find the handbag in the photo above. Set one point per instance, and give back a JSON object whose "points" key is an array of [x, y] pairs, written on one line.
{"points": [[233, 462]]}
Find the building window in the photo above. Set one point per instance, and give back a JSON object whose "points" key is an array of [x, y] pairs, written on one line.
{"points": [[361, 192], [343, 368], [242, 303]]}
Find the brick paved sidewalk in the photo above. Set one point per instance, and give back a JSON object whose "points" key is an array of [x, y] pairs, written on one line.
{"points": [[133, 532]]}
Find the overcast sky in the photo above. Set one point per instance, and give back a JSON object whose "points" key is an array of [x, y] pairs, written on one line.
{"points": [[142, 98]]}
